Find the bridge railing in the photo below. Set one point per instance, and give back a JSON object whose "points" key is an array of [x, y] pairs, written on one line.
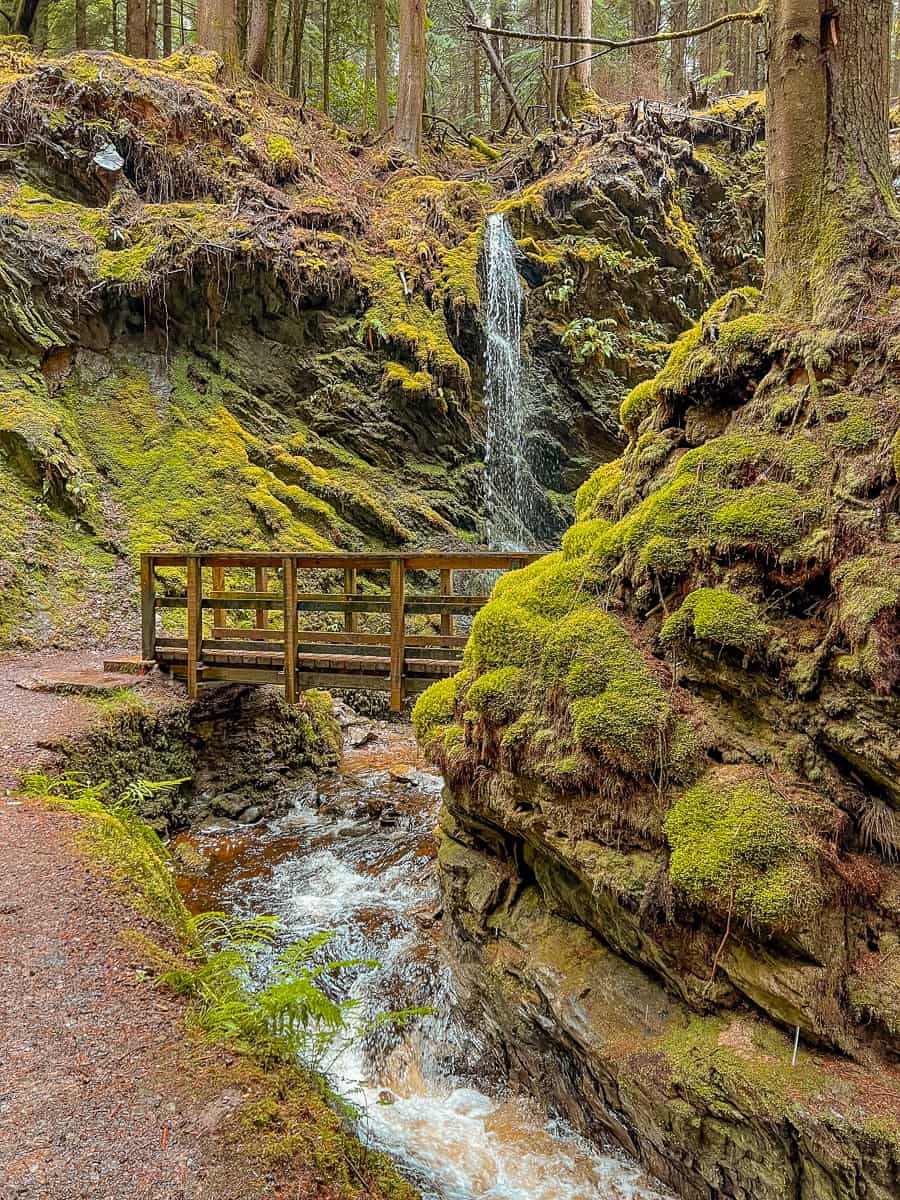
{"points": [[314, 620]]}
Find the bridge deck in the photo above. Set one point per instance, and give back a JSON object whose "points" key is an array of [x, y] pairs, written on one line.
{"points": [[378, 622]]}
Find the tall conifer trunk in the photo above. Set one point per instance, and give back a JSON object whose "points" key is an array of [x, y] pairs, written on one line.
{"points": [[410, 78], [830, 213]]}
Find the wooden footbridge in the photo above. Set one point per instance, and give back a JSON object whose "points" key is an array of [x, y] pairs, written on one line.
{"points": [[379, 622]]}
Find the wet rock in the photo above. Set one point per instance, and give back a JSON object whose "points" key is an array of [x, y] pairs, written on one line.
{"points": [[404, 773], [217, 1111], [214, 825], [251, 815], [358, 735], [386, 1097]]}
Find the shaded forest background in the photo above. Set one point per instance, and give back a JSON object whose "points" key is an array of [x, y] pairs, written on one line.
{"points": [[342, 56]]}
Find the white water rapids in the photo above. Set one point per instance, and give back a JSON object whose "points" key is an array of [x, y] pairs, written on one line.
{"points": [[357, 857]]}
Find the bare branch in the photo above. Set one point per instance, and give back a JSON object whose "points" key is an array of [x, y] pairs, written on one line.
{"points": [[757, 15]]}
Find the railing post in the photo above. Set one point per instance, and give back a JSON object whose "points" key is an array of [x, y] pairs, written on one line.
{"points": [[398, 632], [148, 609], [350, 590], [194, 622], [262, 585], [289, 571], [446, 590], [218, 582]]}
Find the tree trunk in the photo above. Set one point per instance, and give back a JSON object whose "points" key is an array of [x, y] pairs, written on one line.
{"points": [[80, 24], [644, 59], [678, 82], [135, 29], [258, 36], [151, 19], [476, 82], [326, 56], [367, 70], [298, 29], [217, 31], [829, 207], [583, 13], [381, 67], [410, 78], [167, 27]]}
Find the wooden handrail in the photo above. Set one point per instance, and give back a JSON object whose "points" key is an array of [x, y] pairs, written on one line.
{"points": [[289, 654]]}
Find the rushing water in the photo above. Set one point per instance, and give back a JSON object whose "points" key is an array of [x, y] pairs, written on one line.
{"points": [[509, 488], [357, 856]]}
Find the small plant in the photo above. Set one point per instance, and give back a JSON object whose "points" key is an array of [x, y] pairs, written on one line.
{"points": [[588, 340], [560, 290], [289, 1017]]}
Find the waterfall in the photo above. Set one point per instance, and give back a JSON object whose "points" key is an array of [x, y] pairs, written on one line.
{"points": [[509, 488]]}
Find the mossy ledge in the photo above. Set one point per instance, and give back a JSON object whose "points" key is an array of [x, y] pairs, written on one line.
{"points": [[671, 755]]}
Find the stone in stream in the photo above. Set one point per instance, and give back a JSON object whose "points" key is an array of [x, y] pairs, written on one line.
{"points": [[358, 735], [250, 815]]}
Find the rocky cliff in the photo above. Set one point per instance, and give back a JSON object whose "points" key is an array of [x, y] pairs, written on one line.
{"points": [[224, 321], [671, 830]]}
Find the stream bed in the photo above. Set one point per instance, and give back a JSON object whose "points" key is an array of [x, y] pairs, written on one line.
{"points": [[356, 855]]}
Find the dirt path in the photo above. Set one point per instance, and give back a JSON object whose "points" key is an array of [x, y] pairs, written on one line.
{"points": [[89, 1050], [104, 1093]]}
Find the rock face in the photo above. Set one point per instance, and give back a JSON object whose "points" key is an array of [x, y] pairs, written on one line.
{"points": [[673, 773], [267, 335], [241, 752]]}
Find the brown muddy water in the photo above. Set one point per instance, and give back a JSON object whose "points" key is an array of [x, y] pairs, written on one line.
{"points": [[356, 855]]}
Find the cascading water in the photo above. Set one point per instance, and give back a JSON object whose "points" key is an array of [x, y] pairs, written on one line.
{"points": [[357, 857], [509, 487]]}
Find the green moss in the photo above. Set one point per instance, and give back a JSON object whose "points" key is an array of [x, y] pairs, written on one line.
{"points": [[411, 382], [504, 634], [596, 494], [130, 265], [737, 843], [581, 537], [282, 154], [719, 616], [638, 405], [768, 516], [495, 695], [434, 710]]}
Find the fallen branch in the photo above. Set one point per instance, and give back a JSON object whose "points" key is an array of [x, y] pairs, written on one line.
{"points": [[496, 65], [674, 35]]}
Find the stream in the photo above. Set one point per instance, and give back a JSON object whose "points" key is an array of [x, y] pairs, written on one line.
{"points": [[356, 855]]}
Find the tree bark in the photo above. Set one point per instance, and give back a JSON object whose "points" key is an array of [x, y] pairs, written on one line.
{"points": [[326, 56], [167, 27], [678, 82], [300, 8], [258, 36], [136, 29], [476, 82], [583, 13], [410, 78], [829, 207], [217, 31], [644, 59], [151, 20], [80, 24], [381, 67]]}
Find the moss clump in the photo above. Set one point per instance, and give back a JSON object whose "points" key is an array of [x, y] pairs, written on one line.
{"points": [[597, 491], [130, 265], [768, 516], [737, 845], [504, 634], [495, 694], [434, 710], [282, 153], [719, 616]]}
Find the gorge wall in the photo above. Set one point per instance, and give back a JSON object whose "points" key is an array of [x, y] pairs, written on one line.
{"points": [[259, 332], [671, 833]]}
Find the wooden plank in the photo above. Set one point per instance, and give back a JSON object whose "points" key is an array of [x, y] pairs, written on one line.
{"points": [[227, 644], [148, 608], [128, 665], [261, 582], [467, 561], [289, 571], [218, 582], [172, 601], [257, 635], [239, 675], [398, 631], [194, 623], [414, 560], [326, 679], [350, 617], [273, 602], [446, 590]]}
